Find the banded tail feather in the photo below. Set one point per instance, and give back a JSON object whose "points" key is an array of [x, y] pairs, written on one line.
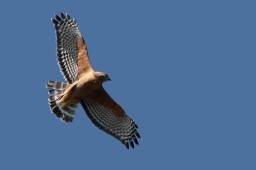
{"points": [[56, 90]]}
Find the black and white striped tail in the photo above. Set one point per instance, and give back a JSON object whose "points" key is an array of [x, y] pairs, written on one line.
{"points": [[56, 90]]}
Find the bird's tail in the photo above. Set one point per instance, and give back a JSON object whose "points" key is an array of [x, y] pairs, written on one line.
{"points": [[56, 90]]}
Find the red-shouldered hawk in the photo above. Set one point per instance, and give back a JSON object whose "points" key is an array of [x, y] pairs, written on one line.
{"points": [[84, 85]]}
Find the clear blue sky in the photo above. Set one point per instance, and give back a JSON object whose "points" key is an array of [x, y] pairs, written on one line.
{"points": [[183, 70]]}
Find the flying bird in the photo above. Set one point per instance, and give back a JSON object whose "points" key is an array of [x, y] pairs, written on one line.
{"points": [[84, 86]]}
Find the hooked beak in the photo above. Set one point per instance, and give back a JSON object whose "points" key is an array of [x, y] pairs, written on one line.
{"points": [[109, 79]]}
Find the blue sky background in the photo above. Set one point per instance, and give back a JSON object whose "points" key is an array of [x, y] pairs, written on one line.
{"points": [[183, 70]]}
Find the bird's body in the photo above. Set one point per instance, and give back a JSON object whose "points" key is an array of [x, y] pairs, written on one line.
{"points": [[84, 85], [80, 89]]}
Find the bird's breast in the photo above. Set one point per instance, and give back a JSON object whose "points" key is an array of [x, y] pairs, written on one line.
{"points": [[85, 87]]}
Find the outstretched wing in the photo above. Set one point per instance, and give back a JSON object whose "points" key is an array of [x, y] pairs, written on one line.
{"points": [[71, 49], [108, 116]]}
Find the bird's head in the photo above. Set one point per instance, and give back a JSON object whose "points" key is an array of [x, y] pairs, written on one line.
{"points": [[103, 77]]}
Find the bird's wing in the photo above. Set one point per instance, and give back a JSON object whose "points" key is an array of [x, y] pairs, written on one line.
{"points": [[108, 116], [72, 51]]}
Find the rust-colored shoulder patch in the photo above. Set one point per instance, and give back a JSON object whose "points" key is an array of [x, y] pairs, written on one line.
{"points": [[84, 64], [103, 98]]}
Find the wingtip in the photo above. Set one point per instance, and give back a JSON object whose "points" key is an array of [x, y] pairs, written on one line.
{"points": [[54, 21], [136, 141], [58, 18], [68, 16], [63, 16], [138, 135], [127, 145], [132, 144]]}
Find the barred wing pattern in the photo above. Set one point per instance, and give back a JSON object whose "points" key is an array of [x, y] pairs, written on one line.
{"points": [[74, 62], [120, 126], [67, 33]]}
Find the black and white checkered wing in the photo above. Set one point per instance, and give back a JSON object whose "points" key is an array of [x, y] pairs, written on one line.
{"points": [[67, 33], [109, 117]]}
